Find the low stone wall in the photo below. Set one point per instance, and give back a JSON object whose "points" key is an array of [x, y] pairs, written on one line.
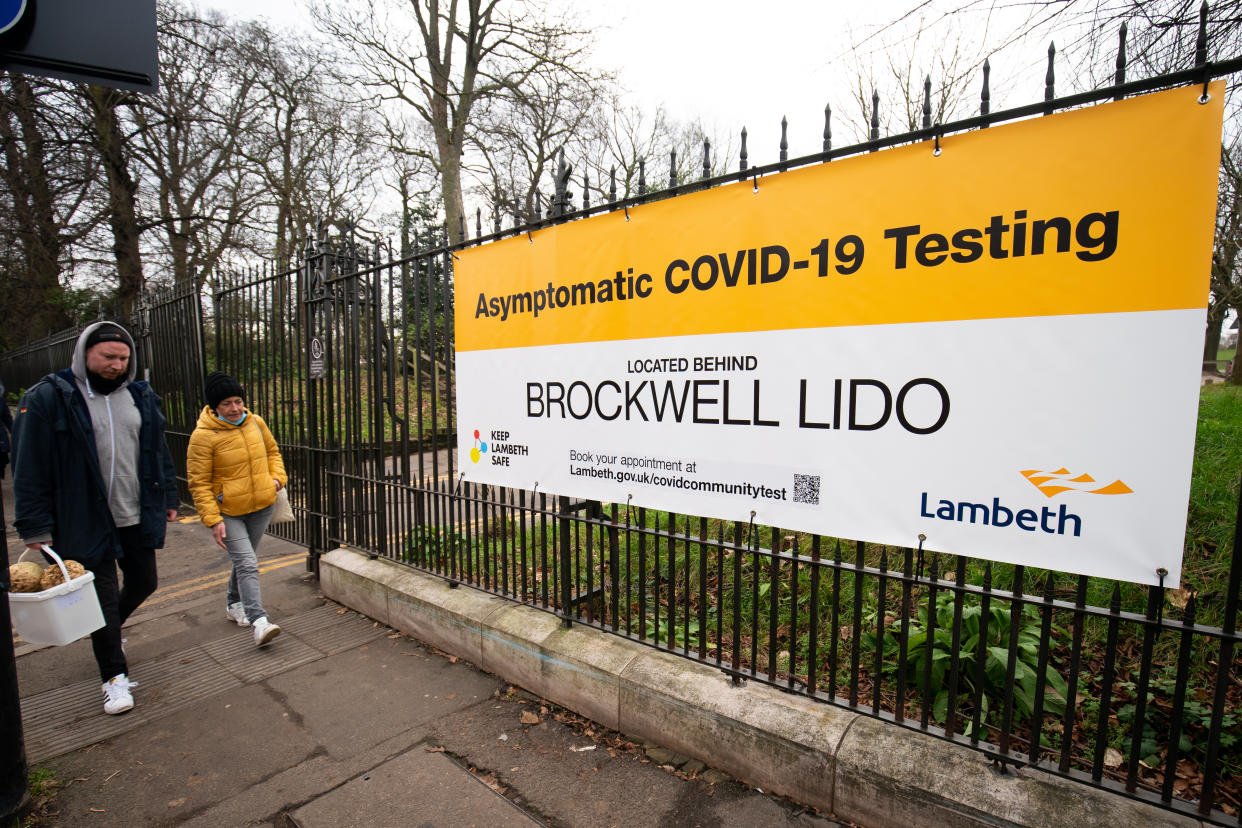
{"points": [[852, 766]]}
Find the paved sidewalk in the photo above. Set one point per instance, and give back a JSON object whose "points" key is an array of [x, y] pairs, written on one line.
{"points": [[339, 722]]}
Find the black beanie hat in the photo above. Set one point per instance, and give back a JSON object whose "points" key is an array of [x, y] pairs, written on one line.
{"points": [[220, 386], [106, 332]]}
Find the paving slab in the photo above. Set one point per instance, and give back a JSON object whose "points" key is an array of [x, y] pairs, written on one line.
{"points": [[447, 795]]}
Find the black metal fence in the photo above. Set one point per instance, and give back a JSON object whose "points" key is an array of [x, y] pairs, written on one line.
{"points": [[349, 356]]}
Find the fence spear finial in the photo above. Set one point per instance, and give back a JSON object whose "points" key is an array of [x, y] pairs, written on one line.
{"points": [[875, 116], [1050, 79], [642, 176], [707, 158], [784, 139], [1120, 77], [927, 110], [985, 96], [586, 190], [827, 127], [672, 168], [612, 188], [1201, 40], [743, 165]]}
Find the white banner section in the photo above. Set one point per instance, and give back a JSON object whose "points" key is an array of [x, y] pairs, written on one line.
{"points": [[982, 437]]}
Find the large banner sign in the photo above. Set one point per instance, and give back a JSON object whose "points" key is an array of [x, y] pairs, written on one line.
{"points": [[993, 350]]}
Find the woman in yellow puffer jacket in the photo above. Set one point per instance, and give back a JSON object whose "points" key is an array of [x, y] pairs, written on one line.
{"points": [[235, 471]]}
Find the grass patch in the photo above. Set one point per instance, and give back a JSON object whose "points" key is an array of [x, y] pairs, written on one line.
{"points": [[44, 787]]}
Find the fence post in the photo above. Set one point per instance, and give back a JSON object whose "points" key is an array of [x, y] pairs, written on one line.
{"points": [[563, 524], [14, 795]]}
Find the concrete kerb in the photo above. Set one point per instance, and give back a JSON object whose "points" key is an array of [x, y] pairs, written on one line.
{"points": [[860, 769]]}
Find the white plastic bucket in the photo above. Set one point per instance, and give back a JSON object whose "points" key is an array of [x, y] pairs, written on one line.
{"points": [[60, 615]]}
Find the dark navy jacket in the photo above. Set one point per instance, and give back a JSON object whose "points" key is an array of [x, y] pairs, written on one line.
{"points": [[57, 482]]}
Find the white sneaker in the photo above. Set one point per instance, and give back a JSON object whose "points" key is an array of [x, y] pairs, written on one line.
{"points": [[264, 631], [117, 698], [238, 613]]}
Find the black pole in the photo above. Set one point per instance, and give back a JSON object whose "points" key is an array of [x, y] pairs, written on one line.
{"points": [[14, 795]]}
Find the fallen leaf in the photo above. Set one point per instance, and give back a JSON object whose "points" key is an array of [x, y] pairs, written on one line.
{"points": [[491, 782], [529, 718], [1180, 596], [176, 803], [1113, 758], [433, 750]]}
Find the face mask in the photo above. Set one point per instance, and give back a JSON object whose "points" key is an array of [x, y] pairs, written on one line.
{"points": [[236, 422], [103, 385]]}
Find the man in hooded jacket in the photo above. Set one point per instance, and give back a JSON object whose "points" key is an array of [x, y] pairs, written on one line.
{"points": [[93, 477]]}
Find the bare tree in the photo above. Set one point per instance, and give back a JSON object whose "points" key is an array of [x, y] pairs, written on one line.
{"points": [[114, 152], [48, 177], [938, 75], [190, 135], [316, 145], [645, 150], [444, 58]]}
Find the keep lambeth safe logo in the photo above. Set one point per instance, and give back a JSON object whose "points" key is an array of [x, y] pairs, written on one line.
{"points": [[1052, 483], [499, 447], [479, 449]]}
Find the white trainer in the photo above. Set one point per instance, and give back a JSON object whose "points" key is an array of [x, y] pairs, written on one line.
{"points": [[117, 698], [238, 613], [264, 631]]}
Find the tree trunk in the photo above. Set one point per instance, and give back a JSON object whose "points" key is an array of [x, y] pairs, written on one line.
{"points": [[1211, 339], [122, 189], [32, 296]]}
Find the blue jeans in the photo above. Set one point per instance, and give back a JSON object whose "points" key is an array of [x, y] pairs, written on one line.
{"points": [[241, 539]]}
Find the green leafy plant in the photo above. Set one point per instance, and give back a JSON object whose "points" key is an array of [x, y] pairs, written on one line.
{"points": [[1196, 723], [996, 659]]}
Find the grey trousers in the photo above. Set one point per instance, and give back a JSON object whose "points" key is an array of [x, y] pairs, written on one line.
{"points": [[241, 539]]}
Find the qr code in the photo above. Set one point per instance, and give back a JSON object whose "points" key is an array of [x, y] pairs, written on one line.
{"points": [[806, 489]]}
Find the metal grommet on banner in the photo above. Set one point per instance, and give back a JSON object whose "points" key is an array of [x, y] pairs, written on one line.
{"points": [[751, 543], [529, 237], [626, 207], [922, 538], [755, 181], [629, 514], [936, 151], [1161, 573]]}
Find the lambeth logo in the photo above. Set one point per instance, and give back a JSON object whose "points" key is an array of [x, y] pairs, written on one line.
{"points": [[1052, 483], [480, 448]]}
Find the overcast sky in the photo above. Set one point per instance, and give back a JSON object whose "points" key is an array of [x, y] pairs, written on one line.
{"points": [[729, 63]]}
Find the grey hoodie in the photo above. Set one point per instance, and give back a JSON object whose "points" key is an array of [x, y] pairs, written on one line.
{"points": [[116, 422]]}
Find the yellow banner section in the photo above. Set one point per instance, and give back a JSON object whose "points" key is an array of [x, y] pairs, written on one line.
{"points": [[1098, 210]]}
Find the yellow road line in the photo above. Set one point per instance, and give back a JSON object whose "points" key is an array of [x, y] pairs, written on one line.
{"points": [[180, 590], [213, 575]]}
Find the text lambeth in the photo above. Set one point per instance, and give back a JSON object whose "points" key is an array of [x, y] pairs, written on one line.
{"points": [[1045, 520]]}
